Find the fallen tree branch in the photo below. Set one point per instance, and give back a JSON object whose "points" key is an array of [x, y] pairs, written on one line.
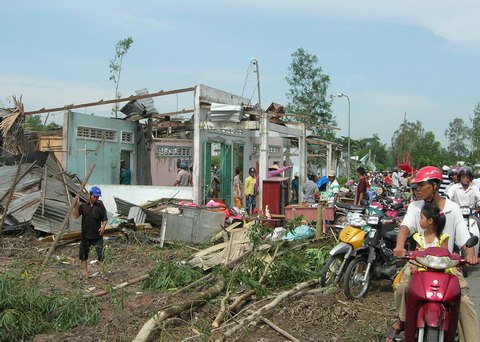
{"points": [[204, 278], [221, 314], [268, 307], [276, 328], [174, 310], [119, 286], [241, 299]]}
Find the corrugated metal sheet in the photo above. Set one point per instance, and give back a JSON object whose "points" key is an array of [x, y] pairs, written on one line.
{"points": [[24, 206], [38, 200], [7, 177], [123, 208], [52, 218]]}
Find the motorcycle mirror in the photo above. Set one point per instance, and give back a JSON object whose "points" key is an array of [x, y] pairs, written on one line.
{"points": [[473, 241]]}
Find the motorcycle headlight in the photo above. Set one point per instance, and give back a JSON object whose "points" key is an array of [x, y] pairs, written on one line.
{"points": [[435, 262], [371, 233], [466, 211]]}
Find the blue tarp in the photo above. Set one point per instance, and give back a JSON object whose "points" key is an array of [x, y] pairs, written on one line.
{"points": [[301, 232]]}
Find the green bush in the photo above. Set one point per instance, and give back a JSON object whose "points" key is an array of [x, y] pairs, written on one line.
{"points": [[25, 311]]}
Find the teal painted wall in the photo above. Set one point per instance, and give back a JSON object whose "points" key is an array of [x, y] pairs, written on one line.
{"points": [[85, 146]]}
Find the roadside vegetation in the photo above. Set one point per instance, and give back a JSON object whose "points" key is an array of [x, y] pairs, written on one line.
{"points": [[30, 305]]}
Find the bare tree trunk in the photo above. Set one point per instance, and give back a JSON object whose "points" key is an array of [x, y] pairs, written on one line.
{"points": [[174, 310]]}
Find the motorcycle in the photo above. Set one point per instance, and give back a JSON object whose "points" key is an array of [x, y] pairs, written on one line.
{"points": [[343, 209], [350, 238], [433, 298], [470, 218], [373, 261]]}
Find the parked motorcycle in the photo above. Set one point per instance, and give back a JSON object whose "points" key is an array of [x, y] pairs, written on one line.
{"points": [[433, 298], [350, 238], [343, 209], [373, 261]]}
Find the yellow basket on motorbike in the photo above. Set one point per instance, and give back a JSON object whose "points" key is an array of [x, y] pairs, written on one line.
{"points": [[353, 236]]}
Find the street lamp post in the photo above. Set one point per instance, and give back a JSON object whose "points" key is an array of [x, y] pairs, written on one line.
{"points": [[348, 162]]}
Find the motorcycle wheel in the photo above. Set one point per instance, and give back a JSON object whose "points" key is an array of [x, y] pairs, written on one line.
{"points": [[330, 270], [340, 220], [430, 334], [353, 286]]}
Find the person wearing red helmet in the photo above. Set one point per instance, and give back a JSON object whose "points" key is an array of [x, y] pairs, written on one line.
{"points": [[427, 181]]}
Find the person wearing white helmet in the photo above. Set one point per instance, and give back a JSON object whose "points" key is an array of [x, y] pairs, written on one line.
{"points": [[445, 179]]}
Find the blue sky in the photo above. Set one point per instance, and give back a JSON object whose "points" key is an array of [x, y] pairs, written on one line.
{"points": [[392, 58]]}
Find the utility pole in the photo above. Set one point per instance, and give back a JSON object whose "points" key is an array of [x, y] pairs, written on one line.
{"points": [[263, 158]]}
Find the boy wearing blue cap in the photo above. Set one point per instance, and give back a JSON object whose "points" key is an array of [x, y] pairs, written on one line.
{"points": [[94, 221]]}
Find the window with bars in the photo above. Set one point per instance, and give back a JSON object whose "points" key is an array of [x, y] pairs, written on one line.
{"points": [[173, 151], [127, 137], [273, 149], [96, 134]]}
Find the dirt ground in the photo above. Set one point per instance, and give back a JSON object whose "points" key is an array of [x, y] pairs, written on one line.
{"points": [[311, 317]]}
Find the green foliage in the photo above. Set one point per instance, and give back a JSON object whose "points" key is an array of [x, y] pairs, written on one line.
{"points": [[258, 232], [117, 298], [25, 311], [308, 93], [34, 123], [412, 138], [377, 150], [169, 275], [296, 266], [475, 132], [458, 136], [121, 49], [289, 266]]}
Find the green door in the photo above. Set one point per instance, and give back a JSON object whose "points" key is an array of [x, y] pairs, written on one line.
{"points": [[226, 179], [207, 169]]}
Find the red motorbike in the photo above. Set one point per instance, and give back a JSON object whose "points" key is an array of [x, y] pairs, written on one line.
{"points": [[433, 300]]}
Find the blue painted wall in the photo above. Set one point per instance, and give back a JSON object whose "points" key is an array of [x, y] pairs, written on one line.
{"points": [[86, 144]]}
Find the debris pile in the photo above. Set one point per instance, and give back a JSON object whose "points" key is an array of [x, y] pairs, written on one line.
{"points": [[35, 191]]}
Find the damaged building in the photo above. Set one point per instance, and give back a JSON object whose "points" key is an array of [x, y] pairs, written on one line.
{"points": [[216, 134]]}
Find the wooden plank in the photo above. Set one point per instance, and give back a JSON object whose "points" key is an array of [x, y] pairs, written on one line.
{"points": [[217, 247]]}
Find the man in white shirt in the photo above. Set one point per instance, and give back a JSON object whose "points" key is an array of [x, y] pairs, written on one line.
{"points": [[396, 178], [333, 188], [476, 179], [464, 193]]}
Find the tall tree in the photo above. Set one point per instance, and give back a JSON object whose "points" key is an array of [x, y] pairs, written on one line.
{"points": [[308, 94], [121, 48], [459, 137], [412, 139], [377, 150], [475, 133]]}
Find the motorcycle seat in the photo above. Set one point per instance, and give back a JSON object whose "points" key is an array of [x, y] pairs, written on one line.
{"points": [[349, 206]]}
